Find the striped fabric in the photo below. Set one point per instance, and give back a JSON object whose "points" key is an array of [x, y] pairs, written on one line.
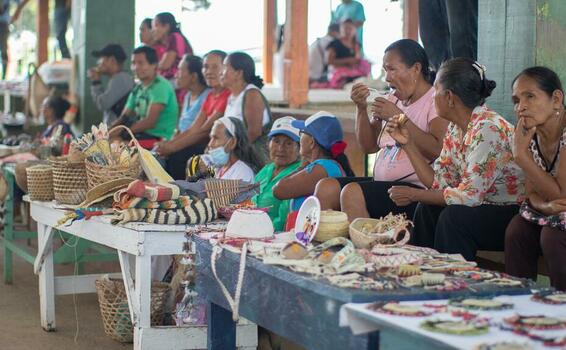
{"points": [[197, 212]]}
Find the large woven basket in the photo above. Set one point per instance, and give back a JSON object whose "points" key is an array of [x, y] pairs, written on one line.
{"points": [[222, 192], [40, 182], [69, 181], [116, 313], [332, 224]]}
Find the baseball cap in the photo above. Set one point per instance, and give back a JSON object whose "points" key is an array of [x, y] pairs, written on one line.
{"points": [[283, 126], [111, 50], [324, 127]]}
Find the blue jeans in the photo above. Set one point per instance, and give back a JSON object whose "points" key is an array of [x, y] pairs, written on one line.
{"points": [[62, 15]]}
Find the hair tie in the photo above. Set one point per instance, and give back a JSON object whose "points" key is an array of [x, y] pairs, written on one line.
{"points": [[338, 148], [480, 68]]}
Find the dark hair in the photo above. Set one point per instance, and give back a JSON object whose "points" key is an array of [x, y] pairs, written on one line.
{"points": [[146, 22], [547, 80], [149, 53], [242, 61], [194, 65], [244, 151], [168, 18], [333, 27], [59, 106], [341, 159], [412, 52], [466, 79], [218, 53]]}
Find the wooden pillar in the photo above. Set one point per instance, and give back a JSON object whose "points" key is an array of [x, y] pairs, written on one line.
{"points": [[269, 23], [296, 65], [42, 24], [411, 19]]}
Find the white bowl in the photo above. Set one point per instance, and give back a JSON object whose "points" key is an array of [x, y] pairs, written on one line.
{"points": [[250, 223], [310, 210]]}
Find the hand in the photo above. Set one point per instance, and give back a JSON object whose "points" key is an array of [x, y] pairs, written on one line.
{"points": [[522, 139], [93, 74], [164, 148], [397, 128], [557, 206], [402, 195], [359, 95], [384, 109]]}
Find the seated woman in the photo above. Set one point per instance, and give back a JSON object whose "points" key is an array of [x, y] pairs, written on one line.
{"points": [[189, 77], [166, 32], [284, 154], [230, 152], [322, 154], [193, 140], [345, 58], [474, 187], [407, 71], [53, 110], [246, 101], [540, 137]]}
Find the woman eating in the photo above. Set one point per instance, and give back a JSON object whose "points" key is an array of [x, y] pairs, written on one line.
{"points": [[474, 187], [540, 137]]}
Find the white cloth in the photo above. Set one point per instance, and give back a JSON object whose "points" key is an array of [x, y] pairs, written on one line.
{"points": [[234, 107], [238, 171], [318, 57]]}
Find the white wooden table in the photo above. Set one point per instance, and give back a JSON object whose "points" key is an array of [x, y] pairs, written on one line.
{"points": [[136, 243]]}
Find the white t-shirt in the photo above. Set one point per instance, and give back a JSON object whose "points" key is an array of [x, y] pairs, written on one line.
{"points": [[238, 171], [234, 107], [318, 57]]}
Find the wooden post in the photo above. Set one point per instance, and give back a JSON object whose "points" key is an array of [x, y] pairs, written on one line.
{"points": [[42, 24], [411, 19], [269, 22], [296, 65]]}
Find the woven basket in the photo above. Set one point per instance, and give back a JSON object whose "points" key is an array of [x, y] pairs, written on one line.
{"points": [[69, 181], [98, 174], [365, 241], [222, 192], [116, 313], [40, 182], [332, 224]]}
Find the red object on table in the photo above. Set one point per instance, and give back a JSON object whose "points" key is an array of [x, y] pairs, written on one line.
{"points": [[291, 218], [67, 143]]}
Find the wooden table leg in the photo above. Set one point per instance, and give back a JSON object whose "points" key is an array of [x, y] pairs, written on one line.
{"points": [[221, 328], [142, 296], [8, 228], [46, 279]]}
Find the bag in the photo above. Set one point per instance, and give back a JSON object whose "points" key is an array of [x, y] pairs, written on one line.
{"points": [[260, 144], [531, 215]]}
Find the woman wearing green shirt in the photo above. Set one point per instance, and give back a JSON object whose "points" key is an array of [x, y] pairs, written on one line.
{"points": [[284, 154]]}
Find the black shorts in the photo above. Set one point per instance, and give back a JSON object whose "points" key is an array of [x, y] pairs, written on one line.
{"points": [[378, 203]]}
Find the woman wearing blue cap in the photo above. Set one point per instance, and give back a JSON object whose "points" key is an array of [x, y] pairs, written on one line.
{"points": [[322, 153], [284, 154]]}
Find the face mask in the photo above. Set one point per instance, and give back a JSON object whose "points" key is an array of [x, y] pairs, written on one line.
{"points": [[218, 156]]}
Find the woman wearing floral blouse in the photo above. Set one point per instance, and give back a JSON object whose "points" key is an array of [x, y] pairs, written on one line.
{"points": [[474, 186], [540, 227]]}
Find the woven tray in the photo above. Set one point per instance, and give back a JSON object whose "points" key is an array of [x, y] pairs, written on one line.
{"points": [[222, 192], [69, 181], [40, 182]]}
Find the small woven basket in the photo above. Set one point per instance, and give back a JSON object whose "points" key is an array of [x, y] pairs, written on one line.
{"points": [[222, 192], [116, 313], [69, 181], [332, 224], [40, 182]]}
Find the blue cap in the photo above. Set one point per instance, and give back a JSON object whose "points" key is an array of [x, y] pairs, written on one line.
{"points": [[283, 126], [324, 127]]}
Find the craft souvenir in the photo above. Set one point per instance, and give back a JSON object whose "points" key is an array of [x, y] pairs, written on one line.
{"points": [[539, 322], [391, 230], [332, 224], [550, 297], [456, 327], [357, 281], [253, 224], [504, 345], [431, 279], [476, 275], [480, 304], [441, 265], [406, 270], [308, 219], [390, 257], [346, 259], [394, 308], [294, 250], [504, 282]]}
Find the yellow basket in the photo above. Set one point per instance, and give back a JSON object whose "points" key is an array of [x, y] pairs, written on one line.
{"points": [[69, 181], [332, 224], [40, 182]]}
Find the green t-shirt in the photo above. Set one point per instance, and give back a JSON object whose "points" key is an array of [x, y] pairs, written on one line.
{"points": [[159, 91], [279, 208]]}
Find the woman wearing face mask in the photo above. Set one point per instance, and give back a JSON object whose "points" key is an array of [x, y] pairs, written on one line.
{"points": [[246, 101], [193, 140], [322, 154], [284, 154], [474, 187], [230, 153], [166, 32], [407, 72], [539, 140]]}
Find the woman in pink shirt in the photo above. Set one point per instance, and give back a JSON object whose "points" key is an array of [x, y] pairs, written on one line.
{"points": [[407, 72], [166, 32]]}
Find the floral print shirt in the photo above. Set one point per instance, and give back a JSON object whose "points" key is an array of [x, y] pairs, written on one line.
{"points": [[476, 166]]}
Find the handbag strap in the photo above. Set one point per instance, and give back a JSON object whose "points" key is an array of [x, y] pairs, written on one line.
{"points": [[233, 302]]}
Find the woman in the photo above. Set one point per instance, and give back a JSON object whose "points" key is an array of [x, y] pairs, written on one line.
{"points": [[540, 136], [189, 77], [166, 32], [407, 71], [53, 110], [345, 57], [284, 154], [193, 140], [246, 101], [230, 153], [146, 37], [322, 153], [474, 187]]}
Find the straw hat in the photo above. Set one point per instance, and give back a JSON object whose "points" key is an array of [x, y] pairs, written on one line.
{"points": [[104, 191], [332, 224]]}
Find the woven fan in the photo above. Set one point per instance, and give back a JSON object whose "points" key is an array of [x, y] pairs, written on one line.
{"points": [[223, 192]]}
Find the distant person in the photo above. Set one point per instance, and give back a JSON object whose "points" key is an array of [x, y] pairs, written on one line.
{"points": [[5, 21], [110, 101], [318, 60], [146, 37], [449, 29], [53, 110], [151, 109], [353, 10], [166, 31]]}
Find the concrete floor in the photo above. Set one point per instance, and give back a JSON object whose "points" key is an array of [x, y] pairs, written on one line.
{"points": [[19, 314]]}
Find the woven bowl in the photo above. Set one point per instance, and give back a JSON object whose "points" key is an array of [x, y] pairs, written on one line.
{"points": [[69, 181], [332, 224], [40, 182], [98, 174]]}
